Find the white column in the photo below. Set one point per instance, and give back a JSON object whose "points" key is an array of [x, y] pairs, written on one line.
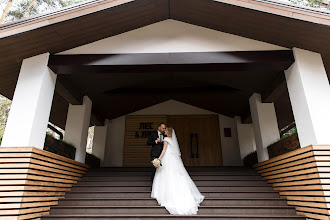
{"points": [[246, 140], [32, 101], [99, 141], [264, 125], [76, 128], [309, 93]]}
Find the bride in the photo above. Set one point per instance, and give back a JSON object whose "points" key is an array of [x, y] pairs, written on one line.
{"points": [[172, 186]]}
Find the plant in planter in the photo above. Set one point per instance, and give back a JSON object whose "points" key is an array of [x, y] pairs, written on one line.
{"points": [[251, 159], [288, 142], [59, 147]]}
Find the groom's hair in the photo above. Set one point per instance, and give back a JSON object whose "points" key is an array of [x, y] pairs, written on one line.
{"points": [[160, 124]]}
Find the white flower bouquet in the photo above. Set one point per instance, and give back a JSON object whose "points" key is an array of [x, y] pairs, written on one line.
{"points": [[156, 162]]}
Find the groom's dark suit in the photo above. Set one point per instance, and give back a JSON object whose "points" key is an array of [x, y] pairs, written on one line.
{"points": [[156, 149]]}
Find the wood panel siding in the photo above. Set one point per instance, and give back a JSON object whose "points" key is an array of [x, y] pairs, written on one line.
{"points": [[32, 180], [136, 151], [302, 177]]}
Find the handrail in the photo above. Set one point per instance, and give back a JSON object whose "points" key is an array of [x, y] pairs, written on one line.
{"points": [[56, 131]]}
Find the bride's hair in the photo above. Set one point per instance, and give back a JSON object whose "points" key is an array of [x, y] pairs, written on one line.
{"points": [[169, 131]]}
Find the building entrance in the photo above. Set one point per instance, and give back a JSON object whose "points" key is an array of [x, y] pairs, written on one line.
{"points": [[198, 137]]}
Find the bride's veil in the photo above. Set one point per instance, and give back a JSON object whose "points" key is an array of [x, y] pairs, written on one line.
{"points": [[175, 146]]}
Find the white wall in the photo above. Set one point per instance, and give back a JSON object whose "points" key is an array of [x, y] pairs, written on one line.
{"points": [[246, 140], [172, 107], [115, 143], [171, 36], [116, 130], [230, 148]]}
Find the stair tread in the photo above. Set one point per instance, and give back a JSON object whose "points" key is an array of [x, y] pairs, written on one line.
{"points": [[136, 206], [166, 215], [224, 180], [150, 186], [202, 191], [213, 198], [92, 200]]}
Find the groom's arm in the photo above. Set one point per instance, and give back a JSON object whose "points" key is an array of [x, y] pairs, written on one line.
{"points": [[152, 139]]}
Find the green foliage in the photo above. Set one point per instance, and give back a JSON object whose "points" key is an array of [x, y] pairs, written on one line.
{"points": [[311, 3], [66, 142], [4, 111], [20, 7], [289, 133]]}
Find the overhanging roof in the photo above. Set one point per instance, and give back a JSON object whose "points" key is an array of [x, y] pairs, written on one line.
{"points": [[96, 20]]}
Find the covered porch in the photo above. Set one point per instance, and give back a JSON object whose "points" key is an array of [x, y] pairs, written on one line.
{"points": [[175, 65]]}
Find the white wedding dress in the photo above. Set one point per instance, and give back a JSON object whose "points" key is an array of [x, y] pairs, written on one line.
{"points": [[172, 186]]}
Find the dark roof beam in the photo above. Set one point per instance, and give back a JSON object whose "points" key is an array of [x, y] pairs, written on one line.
{"points": [[167, 62], [65, 88], [275, 89], [69, 92]]}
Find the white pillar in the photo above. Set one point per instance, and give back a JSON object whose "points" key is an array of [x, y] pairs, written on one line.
{"points": [[99, 141], [309, 93], [264, 125], [76, 128], [32, 101], [246, 140]]}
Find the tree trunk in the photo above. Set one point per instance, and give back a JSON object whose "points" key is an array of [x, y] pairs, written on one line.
{"points": [[28, 9], [5, 12]]}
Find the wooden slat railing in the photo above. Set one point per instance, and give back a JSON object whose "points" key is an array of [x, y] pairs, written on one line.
{"points": [[32, 180], [303, 178]]}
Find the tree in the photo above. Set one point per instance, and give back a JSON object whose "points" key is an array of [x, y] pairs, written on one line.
{"points": [[4, 111], [312, 3], [20, 9]]}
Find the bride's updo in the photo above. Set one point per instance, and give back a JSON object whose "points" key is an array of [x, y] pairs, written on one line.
{"points": [[169, 131]]}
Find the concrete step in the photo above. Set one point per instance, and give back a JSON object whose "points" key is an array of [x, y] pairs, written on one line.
{"points": [[145, 188], [192, 173], [197, 182], [168, 216], [153, 202], [219, 210], [203, 169], [147, 194], [137, 178]]}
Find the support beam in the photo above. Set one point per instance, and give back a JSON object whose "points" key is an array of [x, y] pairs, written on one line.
{"points": [[264, 125], [275, 89], [309, 93], [69, 92], [169, 62], [32, 101], [76, 128]]}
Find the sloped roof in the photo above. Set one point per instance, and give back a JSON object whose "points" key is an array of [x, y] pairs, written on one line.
{"points": [[95, 20]]}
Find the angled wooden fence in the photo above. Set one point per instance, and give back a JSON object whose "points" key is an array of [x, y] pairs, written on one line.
{"points": [[32, 180], [303, 178]]}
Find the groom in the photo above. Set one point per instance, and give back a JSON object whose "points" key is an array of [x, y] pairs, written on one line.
{"points": [[156, 141]]}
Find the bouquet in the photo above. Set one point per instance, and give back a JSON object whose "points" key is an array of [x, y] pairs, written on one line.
{"points": [[156, 162]]}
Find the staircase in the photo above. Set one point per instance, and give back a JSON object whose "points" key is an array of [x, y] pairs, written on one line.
{"points": [[124, 193]]}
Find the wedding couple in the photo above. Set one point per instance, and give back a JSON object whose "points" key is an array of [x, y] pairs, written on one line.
{"points": [[172, 186]]}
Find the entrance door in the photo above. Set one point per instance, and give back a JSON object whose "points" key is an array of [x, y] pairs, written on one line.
{"points": [[199, 139]]}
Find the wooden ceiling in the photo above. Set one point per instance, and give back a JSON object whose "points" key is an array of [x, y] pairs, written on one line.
{"points": [[129, 15], [222, 82]]}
